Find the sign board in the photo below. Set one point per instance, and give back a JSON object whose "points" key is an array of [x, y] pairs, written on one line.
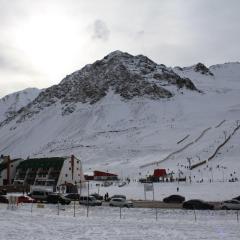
{"points": [[148, 187]]}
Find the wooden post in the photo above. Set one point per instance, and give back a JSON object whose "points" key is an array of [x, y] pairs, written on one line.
{"points": [[74, 209], [153, 191], [32, 206], [88, 200], [195, 215], [120, 212], [58, 208], [156, 214]]}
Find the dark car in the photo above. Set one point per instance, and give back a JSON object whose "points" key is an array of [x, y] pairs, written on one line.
{"points": [[174, 199], [58, 198], [3, 192], [197, 204], [3, 199], [73, 196], [237, 198], [97, 196]]}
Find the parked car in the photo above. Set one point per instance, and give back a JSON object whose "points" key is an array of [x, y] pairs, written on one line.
{"points": [[174, 199], [107, 184], [231, 205], [118, 196], [57, 198], [25, 199], [3, 192], [3, 199], [39, 195], [237, 198], [122, 184], [197, 204], [120, 202], [73, 196], [90, 201], [97, 196]]}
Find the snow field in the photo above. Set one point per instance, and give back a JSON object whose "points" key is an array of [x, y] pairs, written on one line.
{"points": [[215, 191], [105, 223]]}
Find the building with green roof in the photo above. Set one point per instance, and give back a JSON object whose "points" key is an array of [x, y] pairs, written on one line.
{"points": [[45, 172]]}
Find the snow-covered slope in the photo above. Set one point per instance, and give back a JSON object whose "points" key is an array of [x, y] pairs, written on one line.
{"points": [[130, 115], [10, 104]]}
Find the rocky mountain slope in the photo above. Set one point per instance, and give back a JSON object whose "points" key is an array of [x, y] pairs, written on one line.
{"points": [[12, 103], [126, 75], [128, 114]]}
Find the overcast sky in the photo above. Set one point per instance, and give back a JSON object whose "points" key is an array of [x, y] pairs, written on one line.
{"points": [[41, 41]]}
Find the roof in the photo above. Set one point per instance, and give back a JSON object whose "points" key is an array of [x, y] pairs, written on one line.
{"points": [[99, 173], [4, 164], [55, 162], [159, 172]]}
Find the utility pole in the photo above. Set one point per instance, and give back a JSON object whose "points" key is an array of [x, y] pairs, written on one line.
{"points": [[189, 166], [88, 200]]}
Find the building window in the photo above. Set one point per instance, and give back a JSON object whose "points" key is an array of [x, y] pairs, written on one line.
{"points": [[66, 175], [69, 169]]}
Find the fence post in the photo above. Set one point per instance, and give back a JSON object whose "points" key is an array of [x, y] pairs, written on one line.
{"points": [[156, 214], [32, 206], [74, 208], [237, 216], [58, 208], [88, 200], [195, 215], [120, 212]]}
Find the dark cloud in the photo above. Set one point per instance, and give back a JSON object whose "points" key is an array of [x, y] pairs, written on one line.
{"points": [[100, 30]]}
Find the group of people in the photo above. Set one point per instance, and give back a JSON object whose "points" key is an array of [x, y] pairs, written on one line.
{"points": [[106, 196]]}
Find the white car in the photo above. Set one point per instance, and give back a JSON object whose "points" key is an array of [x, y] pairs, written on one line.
{"points": [[120, 202], [231, 205]]}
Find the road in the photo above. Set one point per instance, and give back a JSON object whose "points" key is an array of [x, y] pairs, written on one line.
{"points": [[159, 204]]}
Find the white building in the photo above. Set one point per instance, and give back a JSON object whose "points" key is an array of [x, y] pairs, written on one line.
{"points": [[54, 171], [8, 169]]}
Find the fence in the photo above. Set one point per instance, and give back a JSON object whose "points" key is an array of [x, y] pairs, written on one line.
{"points": [[156, 214]]}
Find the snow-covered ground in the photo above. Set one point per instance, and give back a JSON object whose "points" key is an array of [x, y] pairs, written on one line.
{"points": [[216, 191], [105, 223], [121, 136], [133, 137]]}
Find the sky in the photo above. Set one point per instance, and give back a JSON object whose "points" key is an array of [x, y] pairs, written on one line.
{"points": [[43, 41]]}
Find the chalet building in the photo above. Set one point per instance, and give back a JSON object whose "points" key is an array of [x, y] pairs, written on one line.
{"points": [[104, 176], [8, 169], [54, 172], [159, 174]]}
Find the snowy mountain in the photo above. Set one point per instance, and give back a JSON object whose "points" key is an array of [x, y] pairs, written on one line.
{"points": [[128, 114], [12, 103]]}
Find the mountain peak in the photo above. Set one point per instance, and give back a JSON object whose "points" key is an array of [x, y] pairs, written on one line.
{"points": [[201, 68], [126, 75], [117, 53]]}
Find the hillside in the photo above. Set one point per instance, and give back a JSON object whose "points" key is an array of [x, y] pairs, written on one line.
{"points": [[12, 103], [130, 115]]}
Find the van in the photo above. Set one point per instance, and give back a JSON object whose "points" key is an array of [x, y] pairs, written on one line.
{"points": [[89, 200]]}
